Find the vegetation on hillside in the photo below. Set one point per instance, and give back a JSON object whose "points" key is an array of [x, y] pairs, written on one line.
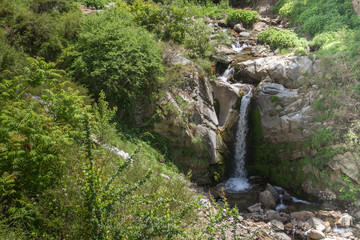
{"points": [[333, 30], [70, 166], [62, 171]]}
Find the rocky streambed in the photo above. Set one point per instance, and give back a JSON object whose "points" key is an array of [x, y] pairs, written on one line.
{"points": [[269, 212]]}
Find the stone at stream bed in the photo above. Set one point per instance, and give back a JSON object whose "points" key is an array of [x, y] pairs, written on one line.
{"points": [[345, 220], [314, 234], [255, 208], [289, 227], [260, 26], [302, 215], [272, 214], [239, 28], [317, 224], [273, 192], [277, 225], [244, 34], [267, 199], [281, 236], [222, 58]]}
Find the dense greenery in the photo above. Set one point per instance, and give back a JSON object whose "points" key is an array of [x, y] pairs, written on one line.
{"points": [[242, 16], [39, 27], [62, 171], [114, 56], [282, 39]]}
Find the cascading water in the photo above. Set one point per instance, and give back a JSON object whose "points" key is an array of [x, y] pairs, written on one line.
{"points": [[239, 182], [237, 47], [229, 71]]}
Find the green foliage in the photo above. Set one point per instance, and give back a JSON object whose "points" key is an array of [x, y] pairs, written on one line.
{"points": [[37, 27], [349, 192], [300, 51], [242, 16], [281, 38], [198, 40], [118, 58], [319, 16], [98, 4]]}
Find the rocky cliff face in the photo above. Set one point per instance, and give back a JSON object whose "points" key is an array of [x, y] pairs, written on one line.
{"points": [[356, 4], [284, 101]]}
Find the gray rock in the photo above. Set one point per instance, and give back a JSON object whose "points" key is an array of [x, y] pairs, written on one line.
{"points": [[314, 234], [272, 214], [221, 58], [348, 163], [239, 28], [285, 113], [277, 225], [284, 69], [244, 34], [227, 95], [317, 224], [255, 208], [302, 215], [273, 192], [267, 200], [281, 236], [260, 26], [345, 220]]}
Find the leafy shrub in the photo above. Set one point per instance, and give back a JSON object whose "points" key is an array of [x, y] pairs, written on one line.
{"points": [[95, 3], [322, 39], [319, 16], [244, 16], [115, 56], [36, 33], [198, 40], [281, 38], [300, 51]]}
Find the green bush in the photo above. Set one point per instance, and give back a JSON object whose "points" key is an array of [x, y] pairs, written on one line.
{"points": [[98, 4], [242, 16], [33, 27], [198, 40], [322, 39], [115, 56], [281, 38], [319, 16]]}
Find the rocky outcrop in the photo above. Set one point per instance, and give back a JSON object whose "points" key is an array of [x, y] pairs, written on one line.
{"points": [[286, 114], [284, 70], [348, 163], [194, 102]]}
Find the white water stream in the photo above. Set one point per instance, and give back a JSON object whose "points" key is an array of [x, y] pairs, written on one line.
{"points": [[237, 47], [239, 182], [228, 72]]}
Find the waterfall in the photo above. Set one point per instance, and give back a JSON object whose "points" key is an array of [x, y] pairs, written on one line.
{"points": [[239, 182], [237, 47], [228, 72]]}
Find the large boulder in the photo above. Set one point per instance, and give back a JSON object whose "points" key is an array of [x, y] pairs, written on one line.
{"points": [[284, 70], [285, 113], [348, 163], [346, 220], [317, 224], [267, 199]]}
